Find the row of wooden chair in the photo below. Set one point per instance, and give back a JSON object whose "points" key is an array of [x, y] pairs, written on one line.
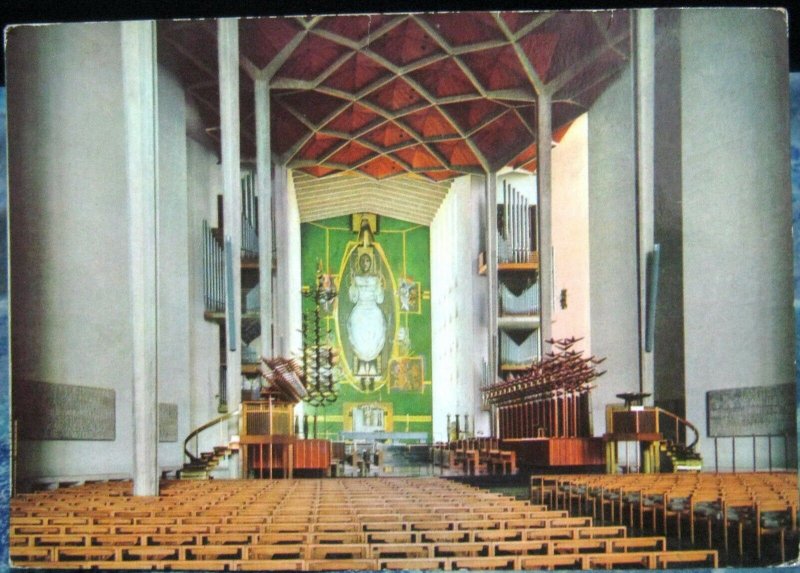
{"points": [[582, 561], [475, 456], [723, 506], [313, 524]]}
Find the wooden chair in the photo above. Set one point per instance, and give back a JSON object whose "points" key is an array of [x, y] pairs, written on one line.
{"points": [[272, 565], [414, 564], [27, 554], [698, 557], [276, 552], [773, 518], [485, 563], [378, 537], [643, 560], [341, 565], [402, 551], [550, 562], [529, 547], [340, 551]]}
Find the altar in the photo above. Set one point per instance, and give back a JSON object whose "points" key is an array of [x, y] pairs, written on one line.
{"points": [[381, 437]]}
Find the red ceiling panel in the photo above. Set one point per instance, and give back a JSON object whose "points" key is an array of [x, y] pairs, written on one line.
{"points": [[319, 146], [429, 123], [442, 175], [539, 49], [527, 114], [527, 159], [470, 114], [260, 39], [196, 40], [388, 135], [356, 28], [589, 95], [381, 167], [502, 139], [457, 153], [463, 28], [580, 36], [175, 52], [558, 134], [286, 132], [564, 113], [395, 96], [405, 44], [444, 79], [314, 106], [604, 62], [418, 157], [355, 74], [453, 114], [528, 154], [313, 56], [351, 153], [516, 20], [498, 69], [319, 170], [353, 119]]}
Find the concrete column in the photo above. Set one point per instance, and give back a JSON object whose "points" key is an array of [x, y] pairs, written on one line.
{"points": [[282, 342], [644, 93], [544, 184], [228, 52], [141, 112], [264, 190], [491, 272]]}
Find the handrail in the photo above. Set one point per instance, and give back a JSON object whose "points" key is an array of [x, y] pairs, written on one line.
{"points": [[205, 426], [685, 422]]}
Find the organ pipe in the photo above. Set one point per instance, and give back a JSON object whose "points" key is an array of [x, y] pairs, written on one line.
{"points": [[514, 239]]}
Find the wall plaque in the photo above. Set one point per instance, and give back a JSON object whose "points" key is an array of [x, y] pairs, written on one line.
{"points": [[756, 410], [167, 422], [47, 411]]}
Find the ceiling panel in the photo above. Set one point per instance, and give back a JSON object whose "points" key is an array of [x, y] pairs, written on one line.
{"points": [[418, 98]]}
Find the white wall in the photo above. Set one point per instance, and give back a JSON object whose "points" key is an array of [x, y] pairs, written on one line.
{"points": [[458, 309], [70, 315], [612, 245], [736, 205], [204, 184], [570, 216]]}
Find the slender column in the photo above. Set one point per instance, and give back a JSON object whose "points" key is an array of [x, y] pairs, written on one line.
{"points": [[491, 272], [644, 82], [228, 52], [544, 184], [141, 112], [283, 338], [264, 189]]}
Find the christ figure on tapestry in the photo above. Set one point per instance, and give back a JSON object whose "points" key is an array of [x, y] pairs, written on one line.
{"points": [[366, 325]]}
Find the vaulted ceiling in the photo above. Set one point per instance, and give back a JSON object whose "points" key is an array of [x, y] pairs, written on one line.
{"points": [[433, 96]]}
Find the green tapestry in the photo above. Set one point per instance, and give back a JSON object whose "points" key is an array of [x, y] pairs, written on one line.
{"points": [[379, 322]]}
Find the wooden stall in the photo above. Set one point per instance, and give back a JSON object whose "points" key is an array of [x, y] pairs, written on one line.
{"points": [[269, 448], [543, 414]]}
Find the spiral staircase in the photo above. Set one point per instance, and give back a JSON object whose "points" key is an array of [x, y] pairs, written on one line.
{"points": [[201, 464], [677, 454]]}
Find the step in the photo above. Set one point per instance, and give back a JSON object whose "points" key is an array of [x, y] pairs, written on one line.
{"points": [[193, 474]]}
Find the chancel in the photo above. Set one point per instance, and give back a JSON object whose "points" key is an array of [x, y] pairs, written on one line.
{"points": [[325, 292]]}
